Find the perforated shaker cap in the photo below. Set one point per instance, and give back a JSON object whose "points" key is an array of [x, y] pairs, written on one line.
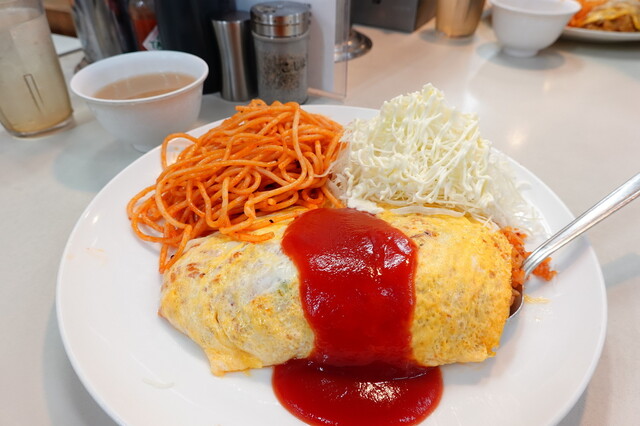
{"points": [[280, 18]]}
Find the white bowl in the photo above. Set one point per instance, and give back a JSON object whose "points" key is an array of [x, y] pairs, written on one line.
{"points": [[524, 27], [143, 122]]}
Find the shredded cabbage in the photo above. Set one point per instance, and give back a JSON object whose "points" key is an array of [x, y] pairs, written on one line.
{"points": [[419, 155]]}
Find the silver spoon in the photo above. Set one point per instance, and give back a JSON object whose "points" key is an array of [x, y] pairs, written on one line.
{"points": [[617, 199]]}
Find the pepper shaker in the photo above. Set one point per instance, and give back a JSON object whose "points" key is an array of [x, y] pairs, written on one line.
{"points": [[280, 32], [236, 55]]}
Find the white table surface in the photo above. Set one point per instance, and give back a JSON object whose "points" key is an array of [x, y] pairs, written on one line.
{"points": [[570, 115]]}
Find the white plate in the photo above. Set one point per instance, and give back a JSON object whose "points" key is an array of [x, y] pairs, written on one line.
{"points": [[581, 34], [143, 372]]}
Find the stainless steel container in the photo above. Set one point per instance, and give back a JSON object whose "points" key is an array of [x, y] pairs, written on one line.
{"points": [[233, 34], [399, 15], [103, 28]]}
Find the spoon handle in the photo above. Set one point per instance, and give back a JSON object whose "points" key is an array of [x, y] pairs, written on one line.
{"points": [[617, 199]]}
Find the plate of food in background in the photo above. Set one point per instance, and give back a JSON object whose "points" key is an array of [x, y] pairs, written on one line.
{"points": [[141, 343], [605, 21]]}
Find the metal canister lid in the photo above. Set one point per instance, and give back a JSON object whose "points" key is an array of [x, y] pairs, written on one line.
{"points": [[280, 18], [231, 16]]}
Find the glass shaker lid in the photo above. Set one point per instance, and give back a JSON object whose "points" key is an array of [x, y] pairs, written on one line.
{"points": [[280, 18]]}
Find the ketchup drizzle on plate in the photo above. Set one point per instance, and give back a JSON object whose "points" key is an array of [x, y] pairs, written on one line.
{"points": [[357, 291]]}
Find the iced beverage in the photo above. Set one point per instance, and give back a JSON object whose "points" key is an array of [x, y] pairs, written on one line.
{"points": [[33, 92], [458, 18]]}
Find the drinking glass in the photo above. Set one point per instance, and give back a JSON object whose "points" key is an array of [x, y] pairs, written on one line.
{"points": [[33, 92], [458, 18]]}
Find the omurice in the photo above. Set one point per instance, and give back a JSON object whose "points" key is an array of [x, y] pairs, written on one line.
{"points": [[242, 302]]}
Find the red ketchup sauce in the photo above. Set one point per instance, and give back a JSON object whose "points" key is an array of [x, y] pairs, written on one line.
{"points": [[357, 291]]}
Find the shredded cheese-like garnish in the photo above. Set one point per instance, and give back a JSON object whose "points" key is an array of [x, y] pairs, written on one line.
{"points": [[419, 155]]}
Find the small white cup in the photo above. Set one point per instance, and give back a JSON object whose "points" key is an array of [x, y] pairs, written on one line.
{"points": [[143, 122], [524, 27]]}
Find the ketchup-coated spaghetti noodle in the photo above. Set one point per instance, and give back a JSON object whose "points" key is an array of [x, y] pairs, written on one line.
{"points": [[262, 160]]}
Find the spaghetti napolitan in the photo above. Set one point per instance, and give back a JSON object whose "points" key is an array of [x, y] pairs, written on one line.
{"points": [[262, 160]]}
